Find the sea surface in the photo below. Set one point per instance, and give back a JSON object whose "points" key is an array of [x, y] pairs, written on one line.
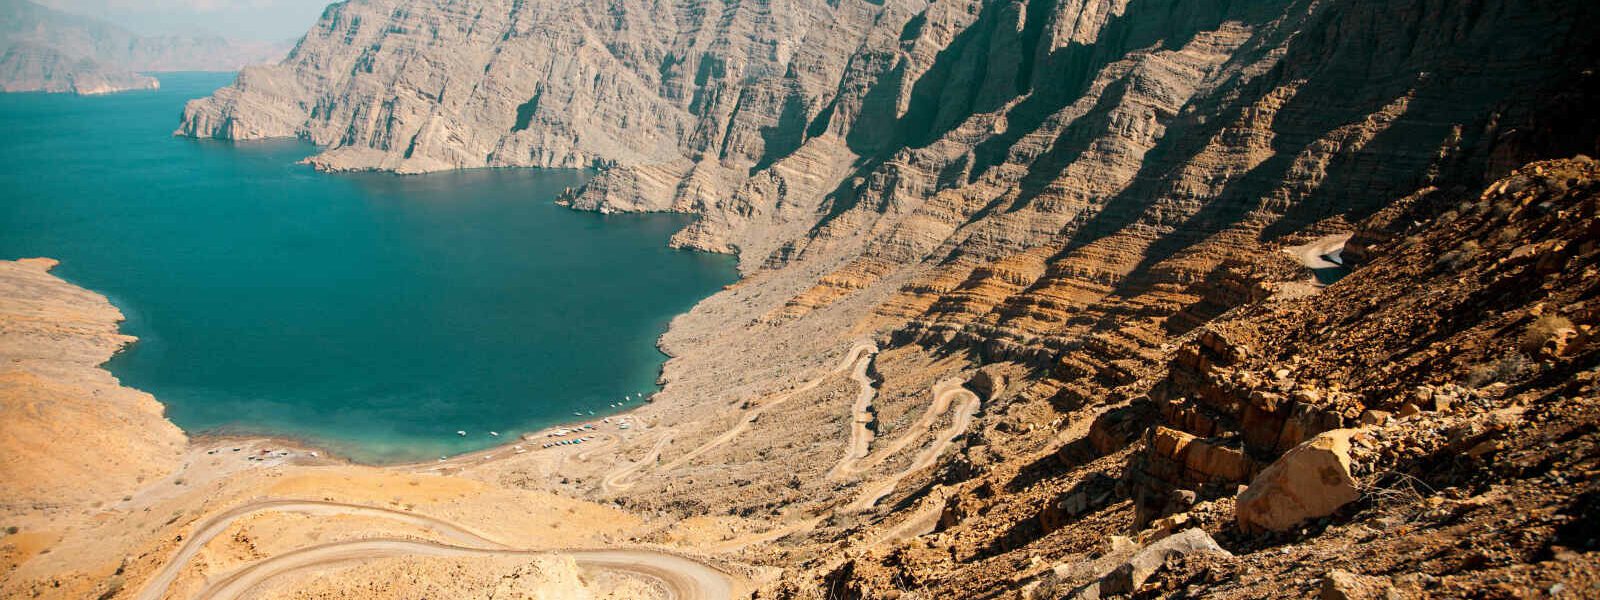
{"points": [[374, 314]]}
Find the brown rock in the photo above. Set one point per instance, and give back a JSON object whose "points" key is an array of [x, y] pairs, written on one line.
{"points": [[1138, 569], [1343, 585], [1375, 417], [1312, 480]]}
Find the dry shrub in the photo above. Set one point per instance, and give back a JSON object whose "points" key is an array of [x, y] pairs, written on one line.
{"points": [[1509, 368], [1544, 330]]}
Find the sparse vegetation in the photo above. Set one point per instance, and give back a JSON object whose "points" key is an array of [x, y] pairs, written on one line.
{"points": [[1543, 331], [1457, 259], [1509, 368], [112, 586]]}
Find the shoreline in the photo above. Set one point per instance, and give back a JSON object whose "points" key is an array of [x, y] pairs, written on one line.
{"points": [[327, 449], [327, 454]]}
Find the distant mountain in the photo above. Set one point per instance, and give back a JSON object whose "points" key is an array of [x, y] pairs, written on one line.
{"points": [[29, 67], [45, 50]]}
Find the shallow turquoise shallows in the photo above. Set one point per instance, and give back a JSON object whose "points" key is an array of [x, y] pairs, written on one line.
{"points": [[374, 314]]}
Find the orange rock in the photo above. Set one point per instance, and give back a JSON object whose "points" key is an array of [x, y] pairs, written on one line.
{"points": [[1312, 480]]}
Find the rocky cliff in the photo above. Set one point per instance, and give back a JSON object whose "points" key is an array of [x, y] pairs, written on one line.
{"points": [[51, 51], [26, 67], [1115, 221]]}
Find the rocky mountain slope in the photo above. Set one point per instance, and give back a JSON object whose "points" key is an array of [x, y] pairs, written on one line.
{"points": [[1109, 222], [1426, 427], [51, 51]]}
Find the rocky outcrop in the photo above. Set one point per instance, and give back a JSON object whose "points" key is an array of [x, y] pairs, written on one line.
{"points": [[1127, 578], [1308, 482]]}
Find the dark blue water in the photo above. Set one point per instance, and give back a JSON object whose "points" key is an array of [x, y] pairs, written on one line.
{"points": [[375, 314]]}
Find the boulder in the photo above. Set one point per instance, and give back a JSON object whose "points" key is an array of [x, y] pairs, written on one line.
{"points": [[1344, 585], [1309, 481], [989, 382], [1376, 417], [1137, 569]]}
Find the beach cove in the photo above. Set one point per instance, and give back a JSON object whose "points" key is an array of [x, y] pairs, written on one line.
{"points": [[387, 319]]}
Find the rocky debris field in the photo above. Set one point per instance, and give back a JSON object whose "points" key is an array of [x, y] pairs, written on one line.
{"points": [[1427, 427]]}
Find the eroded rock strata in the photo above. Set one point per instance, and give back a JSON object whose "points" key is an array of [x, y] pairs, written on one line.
{"points": [[1083, 248]]}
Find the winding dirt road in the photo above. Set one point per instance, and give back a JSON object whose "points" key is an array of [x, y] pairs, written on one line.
{"points": [[861, 418], [682, 577], [619, 479], [216, 524], [1321, 253], [960, 419], [913, 432]]}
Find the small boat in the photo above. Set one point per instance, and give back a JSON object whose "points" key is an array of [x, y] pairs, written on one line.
{"points": [[461, 433], [494, 433]]}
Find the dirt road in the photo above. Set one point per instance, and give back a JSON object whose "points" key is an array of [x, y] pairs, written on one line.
{"points": [[682, 577], [619, 479], [960, 419]]}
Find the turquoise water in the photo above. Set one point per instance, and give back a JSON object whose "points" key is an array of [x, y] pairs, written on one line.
{"points": [[372, 313]]}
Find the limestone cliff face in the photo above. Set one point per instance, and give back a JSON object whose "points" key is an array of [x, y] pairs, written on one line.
{"points": [[956, 132], [413, 86]]}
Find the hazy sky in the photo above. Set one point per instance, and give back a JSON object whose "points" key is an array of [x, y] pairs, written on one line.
{"points": [[266, 20]]}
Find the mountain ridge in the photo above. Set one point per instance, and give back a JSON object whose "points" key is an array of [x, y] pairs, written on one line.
{"points": [[54, 51], [1104, 220]]}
